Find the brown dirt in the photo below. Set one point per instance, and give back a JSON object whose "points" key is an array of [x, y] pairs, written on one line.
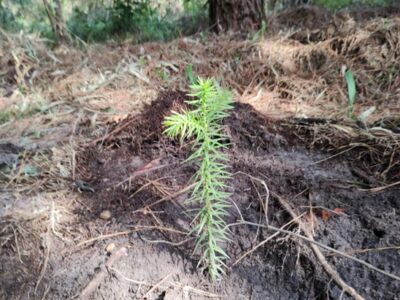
{"points": [[264, 149]]}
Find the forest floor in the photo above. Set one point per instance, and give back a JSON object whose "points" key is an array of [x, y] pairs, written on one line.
{"points": [[92, 202]]}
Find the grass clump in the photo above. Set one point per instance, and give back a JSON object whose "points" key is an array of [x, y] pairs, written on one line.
{"points": [[203, 123]]}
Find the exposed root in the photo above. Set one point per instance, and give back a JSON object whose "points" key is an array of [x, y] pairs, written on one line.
{"points": [[99, 276], [327, 267], [238, 260]]}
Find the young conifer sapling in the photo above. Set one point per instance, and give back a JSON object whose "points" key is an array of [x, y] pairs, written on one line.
{"points": [[210, 105]]}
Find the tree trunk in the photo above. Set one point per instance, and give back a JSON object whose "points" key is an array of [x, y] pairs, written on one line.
{"points": [[54, 12], [236, 15]]}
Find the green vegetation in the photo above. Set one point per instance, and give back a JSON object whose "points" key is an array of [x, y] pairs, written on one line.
{"points": [[22, 110], [351, 90], [145, 20], [189, 73], [210, 106], [259, 35], [141, 20], [339, 4]]}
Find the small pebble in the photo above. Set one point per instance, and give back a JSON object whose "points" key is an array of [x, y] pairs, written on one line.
{"points": [[105, 215], [110, 248]]}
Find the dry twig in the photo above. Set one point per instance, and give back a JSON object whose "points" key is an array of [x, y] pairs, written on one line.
{"points": [[126, 232], [327, 267], [100, 275]]}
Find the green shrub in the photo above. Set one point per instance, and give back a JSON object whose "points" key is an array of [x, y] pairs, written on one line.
{"points": [[123, 19], [99, 21], [11, 18], [90, 26], [339, 4]]}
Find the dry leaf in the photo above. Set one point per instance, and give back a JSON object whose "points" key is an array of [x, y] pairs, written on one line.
{"points": [[339, 210], [325, 215]]}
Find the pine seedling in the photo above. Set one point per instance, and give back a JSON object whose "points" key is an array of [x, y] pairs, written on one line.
{"points": [[203, 123]]}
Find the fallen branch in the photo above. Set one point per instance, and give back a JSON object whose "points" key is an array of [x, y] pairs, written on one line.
{"points": [[320, 256], [100, 275], [262, 243]]}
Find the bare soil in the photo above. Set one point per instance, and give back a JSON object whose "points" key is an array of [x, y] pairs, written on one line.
{"points": [[342, 216]]}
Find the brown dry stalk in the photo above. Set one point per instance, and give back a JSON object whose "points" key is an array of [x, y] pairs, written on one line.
{"points": [[264, 242], [144, 169], [99, 276], [110, 134], [184, 190], [381, 188], [136, 228], [355, 251], [320, 256]]}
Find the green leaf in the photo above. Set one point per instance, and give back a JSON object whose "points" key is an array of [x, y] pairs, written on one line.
{"points": [[351, 89], [189, 73], [30, 170]]}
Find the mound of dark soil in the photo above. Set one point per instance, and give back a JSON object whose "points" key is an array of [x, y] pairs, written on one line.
{"points": [[137, 174]]}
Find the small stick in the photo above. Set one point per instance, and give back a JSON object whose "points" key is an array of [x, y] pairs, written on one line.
{"points": [[140, 283], [167, 242], [333, 156], [136, 228], [45, 263], [46, 259], [266, 189], [184, 190], [115, 131], [146, 168], [263, 242], [99, 276], [157, 285], [17, 244], [327, 267], [150, 182], [380, 188], [312, 241], [354, 251]]}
